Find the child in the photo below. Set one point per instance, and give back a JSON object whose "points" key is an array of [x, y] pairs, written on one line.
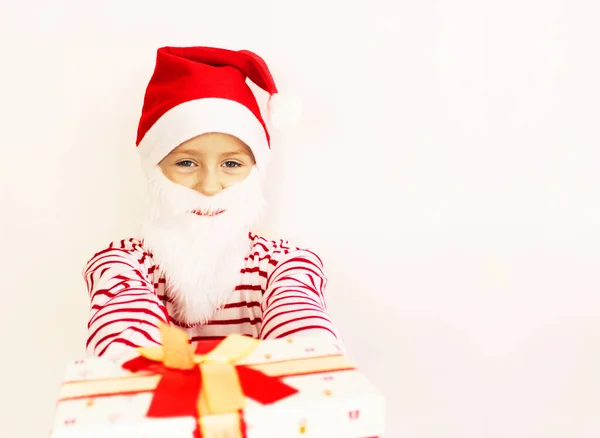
{"points": [[196, 264]]}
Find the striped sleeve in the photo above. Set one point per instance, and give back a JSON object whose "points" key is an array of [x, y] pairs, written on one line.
{"points": [[293, 303], [124, 309]]}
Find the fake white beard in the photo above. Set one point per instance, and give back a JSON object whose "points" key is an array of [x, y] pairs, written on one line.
{"points": [[201, 256]]}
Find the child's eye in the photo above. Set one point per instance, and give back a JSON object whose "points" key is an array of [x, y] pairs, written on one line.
{"points": [[231, 164], [185, 163]]}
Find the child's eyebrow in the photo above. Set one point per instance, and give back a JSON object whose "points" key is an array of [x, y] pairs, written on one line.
{"points": [[187, 151], [232, 153], [195, 152]]}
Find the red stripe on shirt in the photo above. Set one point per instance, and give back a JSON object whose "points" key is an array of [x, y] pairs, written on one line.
{"points": [[144, 333], [291, 321], [108, 323], [305, 328]]}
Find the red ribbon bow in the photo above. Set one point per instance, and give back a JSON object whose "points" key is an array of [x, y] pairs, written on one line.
{"points": [[178, 390]]}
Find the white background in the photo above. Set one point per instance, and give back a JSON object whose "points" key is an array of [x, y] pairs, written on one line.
{"points": [[446, 171]]}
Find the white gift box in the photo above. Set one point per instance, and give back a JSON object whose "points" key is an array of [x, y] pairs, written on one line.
{"points": [[327, 404]]}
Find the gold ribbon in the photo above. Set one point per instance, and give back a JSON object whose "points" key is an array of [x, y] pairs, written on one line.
{"points": [[221, 396], [221, 389]]}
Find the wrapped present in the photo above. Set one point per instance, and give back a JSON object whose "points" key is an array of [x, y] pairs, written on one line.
{"points": [[239, 387]]}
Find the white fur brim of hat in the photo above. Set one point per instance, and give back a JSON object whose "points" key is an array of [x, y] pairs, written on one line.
{"points": [[196, 117]]}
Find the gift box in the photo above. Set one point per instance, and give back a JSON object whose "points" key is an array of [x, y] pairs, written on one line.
{"points": [[235, 388]]}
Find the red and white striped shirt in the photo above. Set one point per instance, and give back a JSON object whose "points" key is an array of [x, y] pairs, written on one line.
{"points": [[280, 294]]}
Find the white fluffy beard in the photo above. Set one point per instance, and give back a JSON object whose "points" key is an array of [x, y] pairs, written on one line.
{"points": [[201, 256]]}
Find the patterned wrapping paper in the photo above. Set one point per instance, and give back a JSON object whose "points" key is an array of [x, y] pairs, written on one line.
{"points": [[331, 404]]}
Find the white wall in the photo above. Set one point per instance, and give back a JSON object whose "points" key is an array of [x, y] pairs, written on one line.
{"points": [[447, 173]]}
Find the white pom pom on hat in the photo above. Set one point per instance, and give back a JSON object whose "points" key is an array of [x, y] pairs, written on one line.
{"points": [[284, 110]]}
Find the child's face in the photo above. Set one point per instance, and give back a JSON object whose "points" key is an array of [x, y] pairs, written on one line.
{"points": [[208, 163]]}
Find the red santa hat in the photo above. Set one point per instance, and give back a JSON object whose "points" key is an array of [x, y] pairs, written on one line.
{"points": [[197, 90]]}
